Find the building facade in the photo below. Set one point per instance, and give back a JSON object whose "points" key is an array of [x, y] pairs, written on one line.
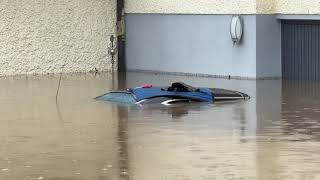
{"points": [[176, 36], [188, 36]]}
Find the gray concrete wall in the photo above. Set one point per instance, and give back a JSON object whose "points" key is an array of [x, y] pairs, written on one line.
{"points": [[198, 44], [268, 46]]}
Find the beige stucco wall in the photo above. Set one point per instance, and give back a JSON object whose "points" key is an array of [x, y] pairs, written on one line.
{"points": [[288, 6], [298, 6], [266, 6], [41, 36], [224, 6], [191, 6]]}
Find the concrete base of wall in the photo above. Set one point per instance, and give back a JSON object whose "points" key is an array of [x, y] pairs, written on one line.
{"points": [[201, 44]]}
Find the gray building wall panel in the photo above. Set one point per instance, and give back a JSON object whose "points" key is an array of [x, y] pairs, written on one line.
{"points": [[199, 44], [268, 46]]}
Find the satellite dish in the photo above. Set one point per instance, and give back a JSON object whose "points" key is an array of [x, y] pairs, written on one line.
{"points": [[236, 29]]}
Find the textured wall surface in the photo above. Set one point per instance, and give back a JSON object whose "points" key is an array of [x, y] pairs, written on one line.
{"points": [[298, 6], [266, 6], [43, 36], [191, 6], [223, 6]]}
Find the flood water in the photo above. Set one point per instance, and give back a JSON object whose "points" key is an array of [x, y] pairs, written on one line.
{"points": [[274, 135]]}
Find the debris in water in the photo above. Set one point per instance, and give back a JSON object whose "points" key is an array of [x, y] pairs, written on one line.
{"points": [[105, 169], [109, 166], [124, 173], [5, 169], [40, 178]]}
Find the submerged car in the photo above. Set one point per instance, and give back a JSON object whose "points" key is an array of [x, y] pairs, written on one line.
{"points": [[176, 93]]}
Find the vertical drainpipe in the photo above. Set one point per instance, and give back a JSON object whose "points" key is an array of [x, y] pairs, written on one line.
{"points": [[117, 44], [123, 117], [121, 35]]}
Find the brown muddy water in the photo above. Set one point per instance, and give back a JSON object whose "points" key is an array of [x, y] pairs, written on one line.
{"points": [[274, 135]]}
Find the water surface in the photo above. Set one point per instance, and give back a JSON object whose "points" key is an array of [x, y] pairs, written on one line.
{"points": [[274, 135]]}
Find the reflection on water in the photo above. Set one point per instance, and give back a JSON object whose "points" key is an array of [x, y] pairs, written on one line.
{"points": [[275, 135]]}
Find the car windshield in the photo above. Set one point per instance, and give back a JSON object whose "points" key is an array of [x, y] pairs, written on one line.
{"points": [[118, 97]]}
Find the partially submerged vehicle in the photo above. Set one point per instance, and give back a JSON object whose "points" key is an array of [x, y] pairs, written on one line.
{"points": [[176, 93]]}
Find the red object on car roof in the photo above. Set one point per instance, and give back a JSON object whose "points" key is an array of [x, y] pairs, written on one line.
{"points": [[146, 86]]}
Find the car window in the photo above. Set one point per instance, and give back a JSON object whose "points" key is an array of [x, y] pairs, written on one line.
{"points": [[118, 97]]}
